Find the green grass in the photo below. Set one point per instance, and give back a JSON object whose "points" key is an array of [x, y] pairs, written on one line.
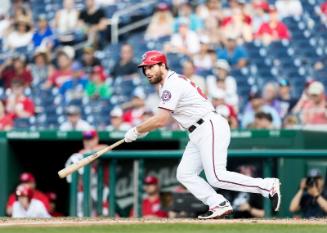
{"points": [[171, 228]]}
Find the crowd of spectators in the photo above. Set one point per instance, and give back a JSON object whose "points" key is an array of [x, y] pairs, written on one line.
{"points": [[211, 34]]}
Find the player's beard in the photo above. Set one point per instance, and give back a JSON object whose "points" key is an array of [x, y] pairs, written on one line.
{"points": [[157, 78]]}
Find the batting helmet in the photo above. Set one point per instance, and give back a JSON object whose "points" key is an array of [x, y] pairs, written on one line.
{"points": [[153, 57], [24, 191]]}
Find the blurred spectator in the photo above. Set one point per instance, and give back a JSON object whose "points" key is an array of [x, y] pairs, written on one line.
{"points": [[185, 41], [256, 104], [19, 105], [323, 8], [74, 121], [260, 10], [151, 205], [28, 180], [16, 69], [43, 35], [202, 60], [224, 109], [6, 120], [52, 199], [21, 36], [26, 206], [262, 120], [20, 8], [291, 121], [314, 110], [189, 72], [270, 96], [73, 88], [97, 88], [185, 11], [311, 198], [88, 60], [125, 66], [93, 22], [273, 30], [287, 102], [211, 30], [236, 55], [247, 205], [134, 109], [161, 23], [41, 68], [65, 56], [65, 22], [238, 25], [223, 82], [289, 8], [4, 23], [116, 121]]}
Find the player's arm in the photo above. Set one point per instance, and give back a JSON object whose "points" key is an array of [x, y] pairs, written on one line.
{"points": [[160, 119]]}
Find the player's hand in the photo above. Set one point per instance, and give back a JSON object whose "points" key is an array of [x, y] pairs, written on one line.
{"points": [[131, 135]]}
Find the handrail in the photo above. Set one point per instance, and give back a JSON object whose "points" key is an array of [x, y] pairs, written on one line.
{"points": [[115, 32]]}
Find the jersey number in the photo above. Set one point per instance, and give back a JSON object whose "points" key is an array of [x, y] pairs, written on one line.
{"points": [[195, 86]]}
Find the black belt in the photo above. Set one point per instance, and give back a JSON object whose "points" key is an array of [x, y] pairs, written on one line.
{"points": [[199, 122]]}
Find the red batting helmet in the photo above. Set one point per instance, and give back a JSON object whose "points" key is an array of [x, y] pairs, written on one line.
{"points": [[24, 191], [153, 57]]}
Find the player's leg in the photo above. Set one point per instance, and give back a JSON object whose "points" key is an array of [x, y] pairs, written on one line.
{"points": [[188, 172], [214, 159]]}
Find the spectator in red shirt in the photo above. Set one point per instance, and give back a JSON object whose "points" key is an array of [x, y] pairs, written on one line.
{"points": [[18, 104], [273, 30], [151, 207], [63, 73], [323, 8], [6, 121], [27, 179], [16, 69]]}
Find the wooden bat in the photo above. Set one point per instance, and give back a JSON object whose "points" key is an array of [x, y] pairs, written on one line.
{"points": [[74, 167]]}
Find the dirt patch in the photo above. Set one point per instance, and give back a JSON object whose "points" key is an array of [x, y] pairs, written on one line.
{"points": [[107, 221]]}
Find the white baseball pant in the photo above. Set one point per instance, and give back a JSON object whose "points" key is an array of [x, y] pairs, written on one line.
{"points": [[207, 150]]}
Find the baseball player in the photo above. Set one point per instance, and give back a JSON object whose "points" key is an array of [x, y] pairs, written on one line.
{"points": [[209, 138]]}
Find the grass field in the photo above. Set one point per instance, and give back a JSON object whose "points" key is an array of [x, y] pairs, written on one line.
{"points": [[216, 226]]}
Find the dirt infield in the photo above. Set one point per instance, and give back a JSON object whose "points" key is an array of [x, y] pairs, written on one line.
{"points": [[5, 222]]}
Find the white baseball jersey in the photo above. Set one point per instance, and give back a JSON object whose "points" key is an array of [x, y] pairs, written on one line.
{"points": [[184, 99], [36, 209]]}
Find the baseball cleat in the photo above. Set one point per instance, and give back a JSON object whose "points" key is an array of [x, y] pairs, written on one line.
{"points": [[274, 195], [220, 211]]}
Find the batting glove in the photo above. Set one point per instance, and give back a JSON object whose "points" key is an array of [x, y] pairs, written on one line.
{"points": [[131, 135]]}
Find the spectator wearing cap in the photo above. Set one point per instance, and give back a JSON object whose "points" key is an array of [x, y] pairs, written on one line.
{"points": [[311, 198], [161, 24], [260, 14], [21, 36], [74, 121], [65, 57], [257, 104], [73, 88], [88, 59], [19, 105], [313, 111], [185, 11], [41, 67], [97, 87], [202, 60], [43, 35], [52, 196], [184, 41], [27, 179], [6, 120], [65, 22], [273, 30], [151, 205], [287, 102], [289, 8], [235, 55], [126, 66], [221, 81], [26, 205], [224, 109], [189, 72], [116, 121]]}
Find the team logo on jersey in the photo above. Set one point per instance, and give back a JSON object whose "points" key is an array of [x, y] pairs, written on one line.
{"points": [[166, 95]]}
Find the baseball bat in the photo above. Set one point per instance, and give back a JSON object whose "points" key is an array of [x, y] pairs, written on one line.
{"points": [[74, 167]]}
